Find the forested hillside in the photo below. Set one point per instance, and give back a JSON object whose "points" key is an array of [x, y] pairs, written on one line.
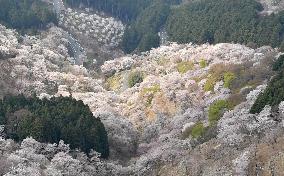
{"points": [[25, 15], [225, 21], [144, 19], [142, 33], [125, 10], [204, 21], [274, 93], [197, 21], [61, 118]]}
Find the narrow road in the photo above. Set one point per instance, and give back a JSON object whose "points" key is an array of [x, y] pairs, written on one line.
{"points": [[75, 46]]}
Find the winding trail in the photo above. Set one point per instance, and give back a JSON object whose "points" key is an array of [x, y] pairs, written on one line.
{"points": [[76, 48]]}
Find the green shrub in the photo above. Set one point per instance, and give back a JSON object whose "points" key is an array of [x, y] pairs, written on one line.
{"points": [[228, 78], [216, 110], [210, 83], [203, 63], [197, 130], [134, 78], [184, 66]]}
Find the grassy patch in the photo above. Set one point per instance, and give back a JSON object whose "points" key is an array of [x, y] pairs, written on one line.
{"points": [[228, 78], [184, 66], [197, 130], [216, 110], [210, 83], [220, 72], [153, 89], [203, 63], [216, 74], [113, 82]]}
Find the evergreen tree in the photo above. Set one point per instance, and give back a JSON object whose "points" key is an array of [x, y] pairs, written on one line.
{"points": [[61, 118]]}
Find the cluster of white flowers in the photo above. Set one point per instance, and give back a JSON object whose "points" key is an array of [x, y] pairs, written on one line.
{"points": [[105, 30], [272, 6], [164, 58], [8, 43], [117, 65], [41, 65], [34, 158]]}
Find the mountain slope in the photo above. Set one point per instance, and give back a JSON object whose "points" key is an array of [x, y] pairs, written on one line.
{"points": [[174, 119], [178, 109]]}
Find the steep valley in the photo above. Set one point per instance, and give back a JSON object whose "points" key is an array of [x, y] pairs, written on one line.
{"points": [[179, 109]]}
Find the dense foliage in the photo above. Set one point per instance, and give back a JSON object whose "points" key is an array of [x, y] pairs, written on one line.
{"points": [[125, 10], [25, 14], [274, 93], [197, 130], [228, 79], [225, 21], [278, 64], [143, 33], [61, 118], [216, 110]]}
